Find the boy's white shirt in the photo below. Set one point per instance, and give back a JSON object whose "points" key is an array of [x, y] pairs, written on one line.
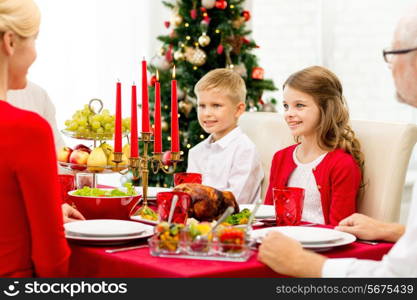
{"points": [[229, 164]]}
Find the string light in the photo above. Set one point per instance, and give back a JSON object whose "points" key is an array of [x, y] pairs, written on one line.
{"points": [[196, 44], [232, 6], [181, 152], [188, 38], [217, 31], [195, 68], [169, 138], [188, 146], [201, 136], [166, 107], [186, 24]]}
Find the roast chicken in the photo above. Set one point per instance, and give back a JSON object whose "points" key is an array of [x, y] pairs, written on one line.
{"points": [[207, 203]]}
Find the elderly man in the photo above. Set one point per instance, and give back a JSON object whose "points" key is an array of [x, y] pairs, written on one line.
{"points": [[286, 256]]}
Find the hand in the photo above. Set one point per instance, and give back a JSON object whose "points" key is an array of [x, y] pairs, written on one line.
{"points": [[367, 228], [286, 256], [71, 214]]}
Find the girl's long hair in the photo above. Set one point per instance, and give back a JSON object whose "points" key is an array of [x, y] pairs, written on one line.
{"points": [[333, 130]]}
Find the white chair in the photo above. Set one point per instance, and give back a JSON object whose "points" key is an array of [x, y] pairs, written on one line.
{"points": [[386, 146]]}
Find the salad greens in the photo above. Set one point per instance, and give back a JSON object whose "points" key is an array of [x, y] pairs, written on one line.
{"points": [[95, 192], [239, 218]]}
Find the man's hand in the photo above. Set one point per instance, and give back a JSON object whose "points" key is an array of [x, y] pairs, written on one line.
{"points": [[367, 228], [70, 214], [286, 256]]}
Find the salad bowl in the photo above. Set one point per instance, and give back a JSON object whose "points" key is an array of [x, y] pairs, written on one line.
{"points": [[104, 203]]}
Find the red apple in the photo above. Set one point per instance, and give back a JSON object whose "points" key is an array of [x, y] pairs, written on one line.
{"points": [[83, 148], [79, 157], [166, 158], [64, 154]]}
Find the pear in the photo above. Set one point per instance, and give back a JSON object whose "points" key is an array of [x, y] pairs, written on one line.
{"points": [[97, 160], [107, 149], [126, 150], [124, 162]]}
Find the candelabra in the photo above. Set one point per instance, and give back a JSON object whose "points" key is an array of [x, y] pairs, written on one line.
{"points": [[139, 166]]}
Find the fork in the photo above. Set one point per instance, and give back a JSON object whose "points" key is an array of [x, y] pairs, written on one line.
{"points": [[125, 248]]}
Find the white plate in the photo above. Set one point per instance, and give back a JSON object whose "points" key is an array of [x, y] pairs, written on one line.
{"points": [[264, 211], [106, 241], [105, 228], [310, 237], [146, 221], [152, 191]]}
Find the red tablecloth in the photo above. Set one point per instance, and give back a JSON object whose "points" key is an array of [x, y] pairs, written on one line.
{"points": [[89, 261]]}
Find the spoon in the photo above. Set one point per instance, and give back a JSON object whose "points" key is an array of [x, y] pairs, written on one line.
{"points": [[204, 237], [172, 209], [253, 213]]}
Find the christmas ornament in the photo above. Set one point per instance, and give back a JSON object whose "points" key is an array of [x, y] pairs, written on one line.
{"points": [[193, 14], [166, 158], [237, 23], [196, 56], [180, 94], [168, 54], [160, 62], [245, 40], [246, 15], [236, 43], [176, 19], [221, 4], [185, 107], [178, 55], [152, 80], [268, 107], [220, 49], [258, 73], [241, 70], [209, 4], [167, 23], [164, 126], [204, 40]]}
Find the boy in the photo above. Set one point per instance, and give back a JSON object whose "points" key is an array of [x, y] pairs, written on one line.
{"points": [[227, 159]]}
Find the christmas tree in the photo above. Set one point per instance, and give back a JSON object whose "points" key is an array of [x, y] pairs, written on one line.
{"points": [[204, 35]]}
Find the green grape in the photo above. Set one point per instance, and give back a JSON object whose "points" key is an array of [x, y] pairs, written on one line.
{"points": [[105, 112], [67, 123], [95, 125], [107, 119], [73, 126], [100, 130], [108, 127]]}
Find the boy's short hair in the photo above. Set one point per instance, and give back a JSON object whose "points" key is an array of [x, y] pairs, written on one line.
{"points": [[223, 80]]}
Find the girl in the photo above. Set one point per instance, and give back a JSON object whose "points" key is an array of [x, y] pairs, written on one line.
{"points": [[326, 161], [32, 241]]}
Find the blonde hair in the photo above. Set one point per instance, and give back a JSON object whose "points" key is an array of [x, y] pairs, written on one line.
{"points": [[333, 130], [225, 81], [20, 16]]}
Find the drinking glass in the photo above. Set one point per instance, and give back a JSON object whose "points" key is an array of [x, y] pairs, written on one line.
{"points": [[164, 200], [67, 183], [288, 202]]}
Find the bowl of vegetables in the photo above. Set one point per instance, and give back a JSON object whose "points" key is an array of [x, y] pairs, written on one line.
{"points": [[104, 203]]}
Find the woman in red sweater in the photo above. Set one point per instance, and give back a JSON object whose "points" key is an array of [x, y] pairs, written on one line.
{"points": [[32, 241], [326, 161]]}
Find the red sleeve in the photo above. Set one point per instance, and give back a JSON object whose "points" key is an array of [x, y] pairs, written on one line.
{"points": [[272, 175], [36, 170], [345, 183]]}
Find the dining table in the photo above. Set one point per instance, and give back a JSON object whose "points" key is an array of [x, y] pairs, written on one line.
{"points": [[95, 262]]}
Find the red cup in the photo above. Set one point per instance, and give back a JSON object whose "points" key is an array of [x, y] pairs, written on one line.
{"points": [[187, 178], [67, 183], [289, 202], [164, 200]]}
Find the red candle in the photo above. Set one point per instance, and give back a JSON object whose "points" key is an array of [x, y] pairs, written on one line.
{"points": [[145, 99], [175, 141], [134, 149], [157, 117], [118, 119]]}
